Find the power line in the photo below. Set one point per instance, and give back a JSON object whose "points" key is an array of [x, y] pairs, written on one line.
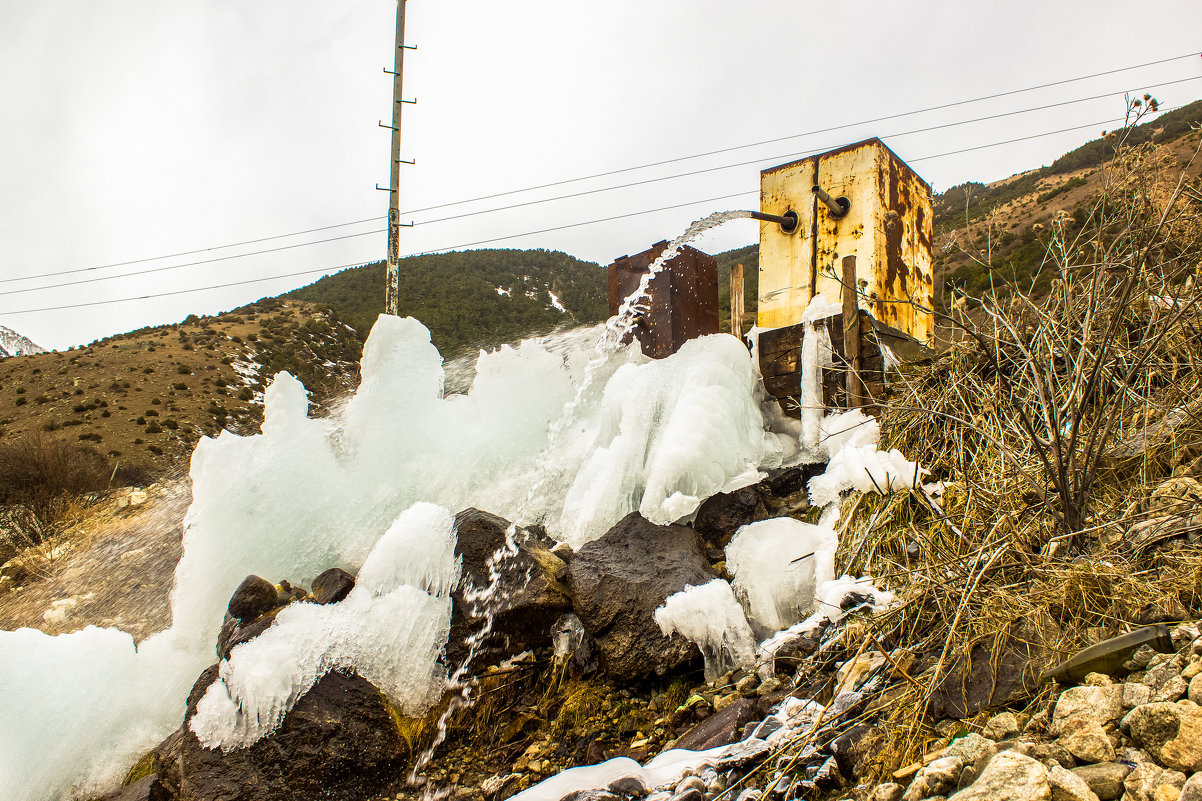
{"points": [[843, 126], [608, 189], [193, 252], [187, 291], [720, 167], [806, 133], [188, 264], [508, 236]]}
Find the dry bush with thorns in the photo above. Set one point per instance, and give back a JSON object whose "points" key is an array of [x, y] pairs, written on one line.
{"points": [[1062, 423]]}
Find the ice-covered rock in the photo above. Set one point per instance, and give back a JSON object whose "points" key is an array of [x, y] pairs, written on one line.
{"points": [[778, 565], [531, 440], [709, 616]]}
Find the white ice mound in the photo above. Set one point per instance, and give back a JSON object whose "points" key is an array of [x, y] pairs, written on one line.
{"points": [[390, 630], [671, 433], [778, 565], [76, 706], [309, 494], [709, 616]]}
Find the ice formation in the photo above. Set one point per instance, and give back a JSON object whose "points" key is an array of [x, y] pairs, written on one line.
{"points": [[671, 433], [850, 438], [709, 616], [778, 565], [390, 630], [308, 494], [829, 608]]}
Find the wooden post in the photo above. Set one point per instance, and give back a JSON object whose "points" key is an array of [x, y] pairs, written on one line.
{"points": [[851, 335], [736, 300]]}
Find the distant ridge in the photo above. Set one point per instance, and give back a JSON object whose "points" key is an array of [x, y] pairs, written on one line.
{"points": [[13, 344]]}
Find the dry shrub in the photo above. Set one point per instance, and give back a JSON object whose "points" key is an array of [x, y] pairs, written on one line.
{"points": [[1051, 418], [42, 474]]}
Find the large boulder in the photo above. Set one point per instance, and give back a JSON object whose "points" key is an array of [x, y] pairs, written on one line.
{"points": [[997, 672], [529, 596], [341, 740], [616, 583], [1009, 776]]}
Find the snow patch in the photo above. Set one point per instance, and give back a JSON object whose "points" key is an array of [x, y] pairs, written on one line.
{"points": [[556, 302]]}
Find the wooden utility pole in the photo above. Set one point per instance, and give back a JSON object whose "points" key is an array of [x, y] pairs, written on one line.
{"points": [[392, 286]]}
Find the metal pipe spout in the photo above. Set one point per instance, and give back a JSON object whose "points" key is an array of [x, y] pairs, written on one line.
{"points": [[786, 221], [836, 206]]}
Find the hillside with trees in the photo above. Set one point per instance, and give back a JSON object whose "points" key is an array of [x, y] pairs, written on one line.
{"points": [[472, 299]]}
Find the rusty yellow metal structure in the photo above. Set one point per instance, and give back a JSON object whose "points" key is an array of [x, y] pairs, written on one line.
{"points": [[887, 227]]}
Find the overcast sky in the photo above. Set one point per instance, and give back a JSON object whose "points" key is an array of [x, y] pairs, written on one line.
{"points": [[131, 129]]}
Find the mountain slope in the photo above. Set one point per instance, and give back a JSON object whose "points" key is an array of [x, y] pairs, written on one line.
{"points": [[474, 298]]}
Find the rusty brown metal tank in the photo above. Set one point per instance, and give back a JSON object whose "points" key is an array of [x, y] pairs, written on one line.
{"points": [[886, 224], [683, 297]]}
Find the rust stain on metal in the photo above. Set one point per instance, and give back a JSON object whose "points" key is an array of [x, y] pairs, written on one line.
{"points": [[887, 227], [683, 297]]}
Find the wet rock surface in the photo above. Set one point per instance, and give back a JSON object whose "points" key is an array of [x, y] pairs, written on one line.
{"points": [[530, 595], [340, 741], [616, 583]]}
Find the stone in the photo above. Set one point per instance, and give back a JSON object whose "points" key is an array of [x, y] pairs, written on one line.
{"points": [[1136, 695], [768, 686], [1194, 693], [1173, 689], [1002, 726], [852, 673], [848, 749], [1052, 754], [937, 778], [232, 634], [1192, 669], [999, 671], [890, 791], [531, 596], [147, 788], [1009, 776], [721, 515], [1152, 783], [747, 684], [1067, 786], [1170, 732], [1104, 779], [1192, 789], [340, 740], [690, 783], [1160, 675], [969, 748], [616, 583], [720, 728], [1103, 704], [254, 597], [723, 701], [332, 585], [1086, 740]]}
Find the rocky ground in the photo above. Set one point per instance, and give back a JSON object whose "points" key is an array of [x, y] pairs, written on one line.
{"points": [[576, 673]]}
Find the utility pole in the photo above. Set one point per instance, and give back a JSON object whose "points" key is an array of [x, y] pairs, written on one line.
{"points": [[392, 287]]}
